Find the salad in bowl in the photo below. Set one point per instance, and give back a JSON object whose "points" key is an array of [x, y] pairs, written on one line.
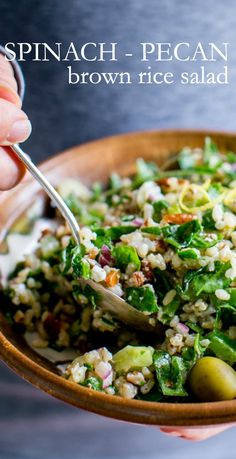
{"points": [[165, 241]]}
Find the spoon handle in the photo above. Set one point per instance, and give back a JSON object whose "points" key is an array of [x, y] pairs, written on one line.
{"points": [[50, 190]]}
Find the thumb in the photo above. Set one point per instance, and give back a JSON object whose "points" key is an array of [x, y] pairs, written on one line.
{"points": [[15, 126]]}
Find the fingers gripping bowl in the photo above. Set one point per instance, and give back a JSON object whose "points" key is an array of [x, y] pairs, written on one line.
{"points": [[162, 240]]}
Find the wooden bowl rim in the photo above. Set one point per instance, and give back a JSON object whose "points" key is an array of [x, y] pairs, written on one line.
{"points": [[153, 413]]}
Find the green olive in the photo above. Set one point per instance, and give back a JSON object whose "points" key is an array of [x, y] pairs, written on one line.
{"points": [[212, 379]]}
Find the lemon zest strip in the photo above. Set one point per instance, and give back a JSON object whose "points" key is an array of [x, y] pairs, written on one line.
{"points": [[194, 187]]}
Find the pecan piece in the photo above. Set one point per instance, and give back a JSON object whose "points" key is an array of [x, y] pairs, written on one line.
{"points": [[137, 279], [147, 270]]}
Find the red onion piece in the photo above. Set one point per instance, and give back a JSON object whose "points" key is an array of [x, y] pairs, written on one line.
{"points": [[105, 251], [138, 221], [182, 328], [107, 381], [104, 371], [152, 197], [105, 258], [103, 261]]}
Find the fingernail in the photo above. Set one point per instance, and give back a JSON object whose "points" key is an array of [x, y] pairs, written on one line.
{"points": [[20, 131]]}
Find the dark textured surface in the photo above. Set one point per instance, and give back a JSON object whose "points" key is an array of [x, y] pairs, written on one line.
{"points": [[64, 115], [33, 425]]}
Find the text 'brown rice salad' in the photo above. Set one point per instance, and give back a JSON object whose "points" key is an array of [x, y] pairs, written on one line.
{"points": [[165, 241]]}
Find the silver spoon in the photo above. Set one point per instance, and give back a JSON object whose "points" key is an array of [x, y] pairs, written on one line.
{"points": [[107, 299]]}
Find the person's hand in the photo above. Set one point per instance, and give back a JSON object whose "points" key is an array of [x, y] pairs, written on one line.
{"points": [[14, 127], [195, 434]]}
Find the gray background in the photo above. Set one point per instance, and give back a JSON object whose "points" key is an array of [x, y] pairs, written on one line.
{"points": [[33, 425]]}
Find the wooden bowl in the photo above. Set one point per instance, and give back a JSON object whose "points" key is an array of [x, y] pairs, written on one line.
{"points": [[89, 162]]}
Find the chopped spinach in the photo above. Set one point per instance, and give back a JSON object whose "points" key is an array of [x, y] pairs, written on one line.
{"points": [[170, 310], [201, 281], [156, 230], [107, 235], [87, 291], [80, 266], [115, 232], [223, 347], [125, 254], [181, 236], [189, 253], [142, 298], [93, 382], [232, 293], [66, 257], [171, 374], [207, 220], [159, 207], [204, 240], [102, 238]]}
